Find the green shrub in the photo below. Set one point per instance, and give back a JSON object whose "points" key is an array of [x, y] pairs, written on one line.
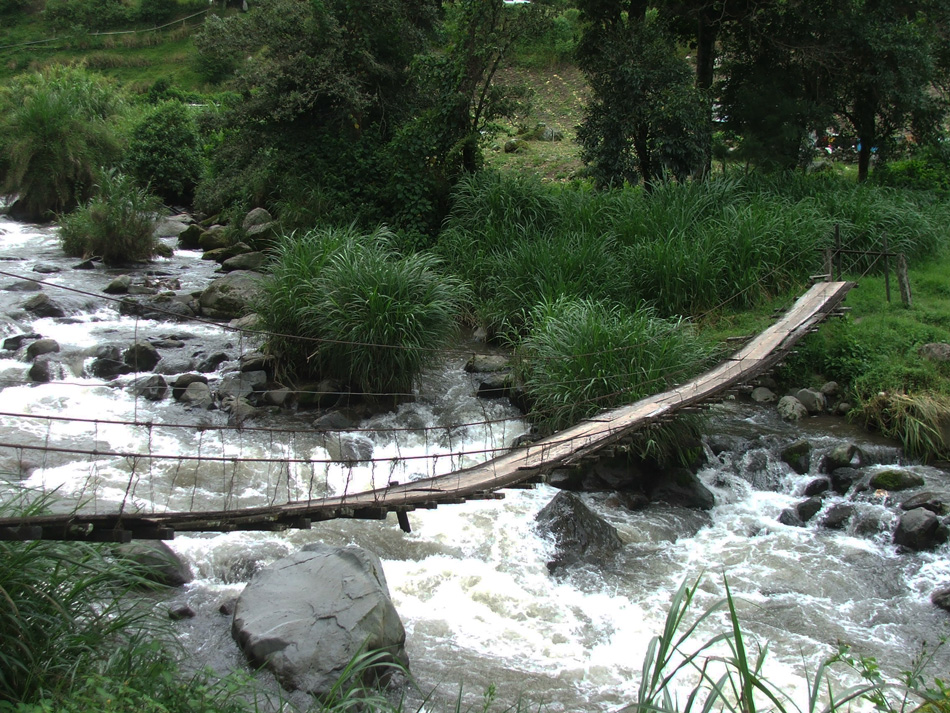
{"points": [[927, 170], [87, 14], [157, 12], [117, 225], [56, 130], [581, 356], [165, 152], [344, 306]]}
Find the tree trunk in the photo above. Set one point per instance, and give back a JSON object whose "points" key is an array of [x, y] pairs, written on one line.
{"points": [[867, 132]]}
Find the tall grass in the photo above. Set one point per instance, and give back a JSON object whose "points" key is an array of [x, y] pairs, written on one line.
{"points": [[116, 225], [581, 356], [57, 131], [344, 306]]}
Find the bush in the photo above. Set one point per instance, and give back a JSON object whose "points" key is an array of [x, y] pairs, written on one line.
{"points": [[87, 14], [117, 225], [927, 170], [165, 153], [355, 311], [581, 356], [157, 12], [56, 131]]}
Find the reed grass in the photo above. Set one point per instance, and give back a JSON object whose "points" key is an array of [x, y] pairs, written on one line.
{"points": [[920, 421], [581, 356]]}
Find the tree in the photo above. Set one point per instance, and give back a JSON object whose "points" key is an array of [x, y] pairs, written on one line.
{"points": [[646, 119], [165, 153]]}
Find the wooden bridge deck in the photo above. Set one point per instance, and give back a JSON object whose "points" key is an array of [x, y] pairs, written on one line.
{"points": [[521, 465]]}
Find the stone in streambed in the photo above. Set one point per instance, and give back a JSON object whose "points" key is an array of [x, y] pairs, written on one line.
{"points": [[920, 529], [307, 615], [797, 456], [42, 346], [579, 534], [156, 562], [894, 479], [42, 306], [141, 356], [791, 409]]}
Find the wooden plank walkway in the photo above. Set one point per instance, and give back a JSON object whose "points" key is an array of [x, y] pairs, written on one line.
{"points": [[517, 467]]}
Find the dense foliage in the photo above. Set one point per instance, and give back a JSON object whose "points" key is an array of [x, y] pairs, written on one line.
{"points": [[164, 152]]}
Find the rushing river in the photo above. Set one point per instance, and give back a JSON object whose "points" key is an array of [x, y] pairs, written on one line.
{"points": [[471, 581]]}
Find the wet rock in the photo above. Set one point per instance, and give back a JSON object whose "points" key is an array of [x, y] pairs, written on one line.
{"points": [[307, 615], [240, 410], [197, 394], [119, 286], [837, 517], [682, 487], [46, 368], [842, 456], [156, 562], [171, 227], [346, 447], [190, 236], [186, 380], [935, 351], [256, 361], [790, 518], [487, 363], [227, 606], [579, 534], [15, 342], [241, 384], [843, 479], [42, 306], [152, 387], [830, 390], [262, 235], [494, 386], [920, 529], [934, 502], [257, 216], [322, 394], [334, 421], [222, 255], [180, 612], [247, 323], [108, 362], [42, 346], [941, 598], [159, 307], [89, 264], [807, 509], [842, 408], [230, 296], [45, 269], [817, 487], [23, 286], [893, 479], [791, 409], [211, 362], [813, 401], [149, 290], [279, 396], [214, 238], [797, 456], [141, 356], [763, 395], [172, 366], [246, 261]]}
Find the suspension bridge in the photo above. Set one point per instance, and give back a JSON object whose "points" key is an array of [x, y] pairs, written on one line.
{"points": [[516, 467]]}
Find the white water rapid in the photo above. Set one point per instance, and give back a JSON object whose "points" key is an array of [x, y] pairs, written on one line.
{"points": [[471, 581]]}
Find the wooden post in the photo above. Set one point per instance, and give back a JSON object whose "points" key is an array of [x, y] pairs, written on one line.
{"points": [[829, 264], [887, 270], [837, 251], [903, 280]]}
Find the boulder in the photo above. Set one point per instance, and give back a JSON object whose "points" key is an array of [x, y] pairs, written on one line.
{"points": [[579, 534], [334, 421], [941, 598], [163, 307], [239, 410], [190, 237], [262, 235], [346, 447], [46, 368], [277, 395], [172, 366], [221, 254], [214, 238], [322, 394], [791, 409], [935, 502], [682, 487], [141, 356], [186, 380], [256, 361], [515, 146], [813, 401], [156, 562], [45, 269], [197, 394], [494, 386], [935, 351], [152, 388], [42, 346], [895, 479], [108, 362], [241, 384], [163, 250], [245, 261], [837, 517], [230, 296], [830, 390], [842, 456], [807, 509], [920, 529], [15, 342], [307, 615], [487, 363], [23, 286], [843, 479], [797, 456], [212, 362], [257, 216], [41, 305], [119, 286], [817, 487], [763, 395], [180, 612]]}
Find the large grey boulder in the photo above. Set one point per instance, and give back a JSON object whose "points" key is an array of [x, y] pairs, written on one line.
{"points": [[682, 487], [935, 351], [141, 356], [580, 535], [305, 616], [812, 400], [42, 346], [920, 529], [156, 562], [791, 409], [42, 306], [797, 456], [230, 296]]}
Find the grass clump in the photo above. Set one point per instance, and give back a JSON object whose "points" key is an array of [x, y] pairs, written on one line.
{"points": [[57, 130], [345, 306], [117, 225], [581, 356]]}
